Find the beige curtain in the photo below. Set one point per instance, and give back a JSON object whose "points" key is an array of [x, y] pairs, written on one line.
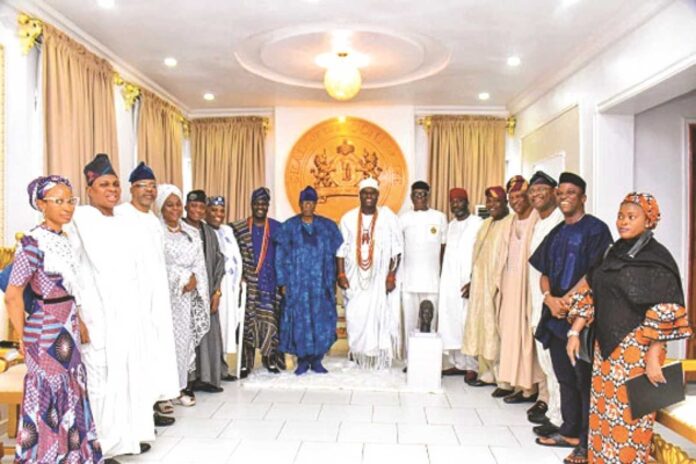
{"points": [[160, 137], [79, 114], [228, 159], [465, 151]]}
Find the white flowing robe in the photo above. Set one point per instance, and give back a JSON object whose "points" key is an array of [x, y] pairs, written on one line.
{"points": [[116, 368], [456, 272], [232, 303], [153, 296], [372, 314]]}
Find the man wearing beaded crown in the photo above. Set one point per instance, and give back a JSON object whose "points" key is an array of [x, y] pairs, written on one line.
{"points": [[367, 263]]}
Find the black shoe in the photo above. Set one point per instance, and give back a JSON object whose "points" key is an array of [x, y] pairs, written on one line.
{"points": [[244, 373], [453, 371], [111, 461], [478, 383], [545, 430], [163, 421], [269, 364], [501, 393], [540, 407], [405, 369], [144, 447], [229, 378], [519, 397], [280, 361], [537, 418]]}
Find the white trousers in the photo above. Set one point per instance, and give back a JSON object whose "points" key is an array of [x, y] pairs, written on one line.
{"points": [[554, 391], [462, 361], [410, 304]]}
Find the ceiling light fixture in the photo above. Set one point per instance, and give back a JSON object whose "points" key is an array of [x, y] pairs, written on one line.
{"points": [[342, 79], [171, 62], [514, 61], [208, 96], [484, 96], [106, 4]]}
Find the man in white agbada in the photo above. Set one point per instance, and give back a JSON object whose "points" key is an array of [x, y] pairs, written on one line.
{"points": [[232, 300], [547, 410], [367, 264], [153, 291], [424, 234], [455, 283], [113, 353]]}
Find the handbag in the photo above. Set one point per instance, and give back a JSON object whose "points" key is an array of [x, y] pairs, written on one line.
{"points": [[587, 342]]}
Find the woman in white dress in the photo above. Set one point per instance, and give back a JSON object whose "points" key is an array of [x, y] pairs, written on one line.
{"points": [[188, 285]]}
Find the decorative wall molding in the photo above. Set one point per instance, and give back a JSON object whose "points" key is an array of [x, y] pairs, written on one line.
{"points": [[641, 13], [499, 111], [225, 112]]}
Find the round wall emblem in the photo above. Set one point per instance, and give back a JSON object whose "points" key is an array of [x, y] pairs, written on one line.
{"points": [[335, 155]]}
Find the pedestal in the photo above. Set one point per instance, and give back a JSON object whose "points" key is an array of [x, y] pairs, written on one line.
{"points": [[424, 362]]}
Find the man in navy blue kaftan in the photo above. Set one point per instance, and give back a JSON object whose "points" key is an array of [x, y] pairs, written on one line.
{"points": [[306, 273]]}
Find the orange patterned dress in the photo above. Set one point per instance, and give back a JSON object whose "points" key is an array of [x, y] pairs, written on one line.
{"points": [[615, 436]]}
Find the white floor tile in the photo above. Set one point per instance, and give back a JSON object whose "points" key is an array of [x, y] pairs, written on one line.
{"points": [[446, 454], [195, 427], [448, 416], [356, 432], [399, 414], [340, 413], [482, 435], [326, 397], [190, 450], [536, 455], [502, 416], [254, 429], [201, 409], [334, 453], [272, 452], [242, 411], [160, 448], [303, 412], [416, 434], [524, 434], [279, 396], [401, 454], [472, 399], [310, 431], [424, 399], [375, 398]]}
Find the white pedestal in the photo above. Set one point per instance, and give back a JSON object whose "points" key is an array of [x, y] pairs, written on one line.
{"points": [[424, 362]]}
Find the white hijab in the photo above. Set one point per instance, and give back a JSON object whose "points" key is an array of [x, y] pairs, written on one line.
{"points": [[163, 192]]}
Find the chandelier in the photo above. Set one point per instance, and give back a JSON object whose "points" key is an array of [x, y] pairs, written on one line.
{"points": [[342, 79]]}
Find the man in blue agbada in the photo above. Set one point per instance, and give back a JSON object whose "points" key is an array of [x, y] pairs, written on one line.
{"points": [[306, 273]]}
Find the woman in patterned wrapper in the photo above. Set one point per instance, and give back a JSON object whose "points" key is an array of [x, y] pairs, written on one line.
{"points": [[56, 422], [635, 301], [188, 286]]}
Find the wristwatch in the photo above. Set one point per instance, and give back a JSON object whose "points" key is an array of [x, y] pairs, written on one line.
{"points": [[572, 333]]}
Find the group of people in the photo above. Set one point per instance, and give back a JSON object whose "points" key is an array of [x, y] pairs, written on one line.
{"points": [[124, 312]]}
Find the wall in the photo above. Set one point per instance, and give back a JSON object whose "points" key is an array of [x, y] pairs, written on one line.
{"points": [[655, 48], [291, 122], [661, 168], [560, 135]]}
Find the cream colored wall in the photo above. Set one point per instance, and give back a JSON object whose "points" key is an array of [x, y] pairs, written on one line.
{"points": [[560, 135]]}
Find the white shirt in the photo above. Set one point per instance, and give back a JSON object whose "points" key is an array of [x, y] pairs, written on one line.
{"points": [[424, 234], [541, 230]]}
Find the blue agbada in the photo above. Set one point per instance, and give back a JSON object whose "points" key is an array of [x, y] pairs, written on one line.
{"points": [[565, 256], [306, 266]]}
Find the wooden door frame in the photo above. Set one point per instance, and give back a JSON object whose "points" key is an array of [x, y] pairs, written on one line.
{"points": [[691, 268]]}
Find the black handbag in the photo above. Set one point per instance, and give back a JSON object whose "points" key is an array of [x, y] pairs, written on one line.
{"points": [[587, 342]]}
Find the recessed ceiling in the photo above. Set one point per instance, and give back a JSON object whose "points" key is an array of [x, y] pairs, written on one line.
{"points": [[408, 38]]}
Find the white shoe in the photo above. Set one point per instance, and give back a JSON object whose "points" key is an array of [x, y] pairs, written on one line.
{"points": [[185, 400]]}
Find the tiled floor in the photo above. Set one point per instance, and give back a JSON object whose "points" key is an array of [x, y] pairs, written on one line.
{"points": [[240, 425], [463, 425]]}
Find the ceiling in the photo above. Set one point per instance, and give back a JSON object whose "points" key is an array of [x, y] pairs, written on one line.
{"points": [[475, 37]]}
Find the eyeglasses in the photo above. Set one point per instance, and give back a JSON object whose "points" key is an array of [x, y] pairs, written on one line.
{"points": [[420, 194], [145, 185], [73, 201]]}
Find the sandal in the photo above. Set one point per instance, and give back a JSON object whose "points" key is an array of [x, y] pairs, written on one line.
{"points": [[164, 407], [557, 441], [578, 456], [185, 400]]}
